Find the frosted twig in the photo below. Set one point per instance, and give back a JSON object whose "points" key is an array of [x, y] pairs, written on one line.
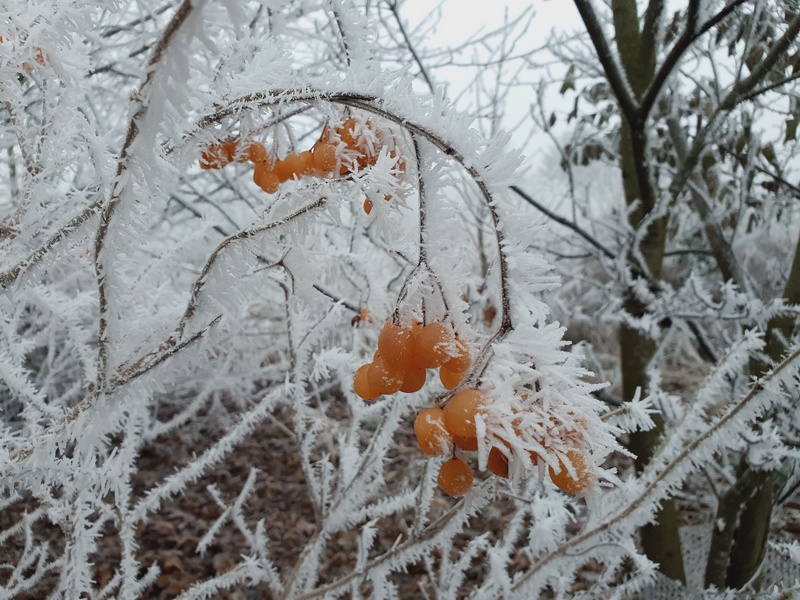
{"points": [[140, 104], [659, 483], [165, 351], [241, 235]]}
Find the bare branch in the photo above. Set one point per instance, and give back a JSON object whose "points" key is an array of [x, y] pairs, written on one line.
{"points": [[614, 73]]}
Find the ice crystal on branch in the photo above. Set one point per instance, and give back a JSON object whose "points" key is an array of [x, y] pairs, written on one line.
{"points": [[250, 274]]}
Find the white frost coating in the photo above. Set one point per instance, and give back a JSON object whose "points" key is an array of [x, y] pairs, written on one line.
{"points": [[235, 314]]}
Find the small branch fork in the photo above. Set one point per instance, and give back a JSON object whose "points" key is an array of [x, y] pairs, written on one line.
{"points": [[127, 373]]}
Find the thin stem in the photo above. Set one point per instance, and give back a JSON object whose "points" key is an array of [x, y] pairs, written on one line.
{"points": [[562, 221], [242, 235]]}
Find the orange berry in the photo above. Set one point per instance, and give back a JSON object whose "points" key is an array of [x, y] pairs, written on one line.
{"points": [[367, 206], [497, 463], [361, 384], [256, 153], [466, 443], [394, 343], [461, 410], [307, 162], [450, 379], [401, 164], [357, 142], [229, 149], [414, 380], [295, 165], [385, 378], [433, 345], [264, 178], [213, 157], [324, 156], [282, 170], [566, 482], [456, 477], [461, 360], [346, 132], [363, 316], [432, 437]]}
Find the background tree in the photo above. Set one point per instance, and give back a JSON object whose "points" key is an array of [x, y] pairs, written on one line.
{"points": [[673, 146]]}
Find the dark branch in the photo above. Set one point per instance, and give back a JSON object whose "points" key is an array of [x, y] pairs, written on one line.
{"points": [[616, 79], [687, 38], [562, 221]]}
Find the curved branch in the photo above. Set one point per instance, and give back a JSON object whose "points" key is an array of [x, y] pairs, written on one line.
{"points": [[370, 104]]}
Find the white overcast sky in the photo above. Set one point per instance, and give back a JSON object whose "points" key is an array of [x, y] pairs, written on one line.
{"points": [[461, 20]]}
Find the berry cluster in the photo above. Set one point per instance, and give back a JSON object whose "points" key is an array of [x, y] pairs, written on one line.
{"points": [[439, 431], [400, 364], [403, 356], [337, 153]]}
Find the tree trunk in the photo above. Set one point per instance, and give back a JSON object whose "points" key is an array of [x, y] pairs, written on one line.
{"points": [[660, 540]]}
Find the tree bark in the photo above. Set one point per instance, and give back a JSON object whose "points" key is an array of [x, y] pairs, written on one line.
{"points": [[745, 511], [660, 540]]}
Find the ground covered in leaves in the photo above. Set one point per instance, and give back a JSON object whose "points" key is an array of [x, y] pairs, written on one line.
{"points": [[171, 538]]}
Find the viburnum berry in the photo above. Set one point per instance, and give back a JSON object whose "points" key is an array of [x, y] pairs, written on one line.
{"points": [[306, 162], [384, 377], [361, 384], [414, 380], [450, 379], [294, 165], [462, 360], [460, 412], [395, 343], [264, 178], [256, 153], [367, 205], [497, 463], [346, 132], [569, 483], [470, 444], [283, 169], [324, 156], [213, 157], [433, 345], [229, 149], [432, 437], [456, 477]]}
